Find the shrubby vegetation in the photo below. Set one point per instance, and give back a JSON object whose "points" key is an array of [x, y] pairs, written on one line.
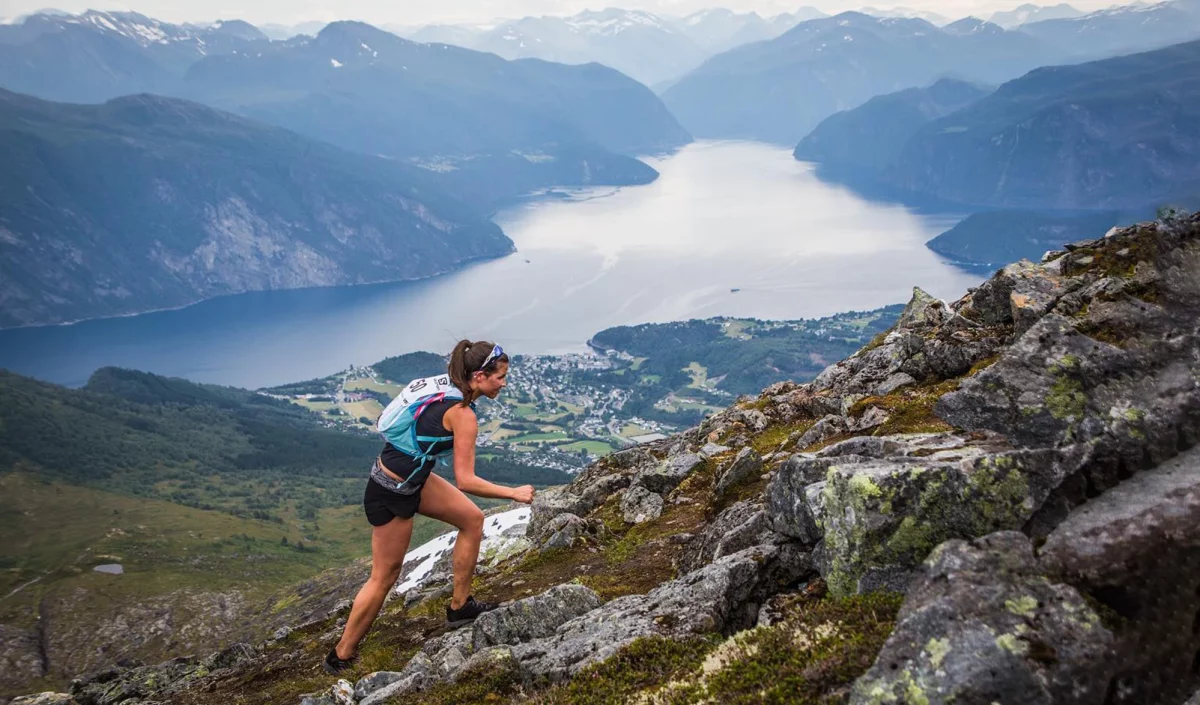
{"points": [[746, 355]]}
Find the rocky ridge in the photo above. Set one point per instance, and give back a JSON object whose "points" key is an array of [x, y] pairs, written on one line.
{"points": [[998, 501]]}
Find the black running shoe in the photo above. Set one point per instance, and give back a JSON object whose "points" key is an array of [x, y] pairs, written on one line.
{"points": [[466, 614], [334, 665]]}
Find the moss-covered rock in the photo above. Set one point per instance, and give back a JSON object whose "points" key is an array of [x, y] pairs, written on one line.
{"points": [[982, 625]]}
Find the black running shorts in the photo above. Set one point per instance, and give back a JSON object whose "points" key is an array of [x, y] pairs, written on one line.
{"points": [[382, 505]]}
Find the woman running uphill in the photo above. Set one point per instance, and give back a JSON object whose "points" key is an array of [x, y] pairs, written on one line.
{"points": [[402, 484]]}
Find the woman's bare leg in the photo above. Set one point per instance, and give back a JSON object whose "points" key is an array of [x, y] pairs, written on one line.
{"points": [[389, 543], [442, 500]]}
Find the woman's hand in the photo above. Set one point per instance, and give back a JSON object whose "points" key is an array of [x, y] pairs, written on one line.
{"points": [[523, 494]]}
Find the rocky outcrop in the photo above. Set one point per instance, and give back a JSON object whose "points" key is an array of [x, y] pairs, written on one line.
{"points": [[1136, 550], [591, 488], [721, 597], [47, 698], [981, 626], [740, 526]]}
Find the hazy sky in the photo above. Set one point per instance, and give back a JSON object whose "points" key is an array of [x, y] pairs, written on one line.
{"points": [[412, 12]]}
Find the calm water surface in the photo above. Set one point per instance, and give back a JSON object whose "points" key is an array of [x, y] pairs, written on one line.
{"points": [[723, 215]]}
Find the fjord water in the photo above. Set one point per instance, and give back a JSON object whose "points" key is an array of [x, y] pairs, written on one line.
{"points": [[722, 216]]}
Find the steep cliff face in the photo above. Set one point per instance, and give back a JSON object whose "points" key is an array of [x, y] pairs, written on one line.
{"points": [[996, 501], [147, 202], [1117, 133]]}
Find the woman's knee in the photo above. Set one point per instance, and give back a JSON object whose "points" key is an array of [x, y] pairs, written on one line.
{"points": [[472, 521], [386, 574]]}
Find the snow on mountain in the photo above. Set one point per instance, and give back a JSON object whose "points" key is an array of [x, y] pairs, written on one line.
{"points": [[1033, 13], [904, 12], [501, 533], [613, 21]]}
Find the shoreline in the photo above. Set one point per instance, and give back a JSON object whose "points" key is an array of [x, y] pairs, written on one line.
{"points": [[462, 264]]}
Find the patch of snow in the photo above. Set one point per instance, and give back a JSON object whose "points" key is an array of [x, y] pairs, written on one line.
{"points": [[103, 21], [336, 64], [847, 38], [424, 556], [150, 34]]}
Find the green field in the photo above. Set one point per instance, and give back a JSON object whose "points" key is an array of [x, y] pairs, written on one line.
{"points": [[55, 534], [530, 437], [369, 408], [699, 375], [359, 383], [320, 407], [593, 447]]}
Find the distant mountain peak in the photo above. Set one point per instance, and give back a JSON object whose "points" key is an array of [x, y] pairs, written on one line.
{"points": [[614, 21], [239, 29], [972, 25], [356, 37]]}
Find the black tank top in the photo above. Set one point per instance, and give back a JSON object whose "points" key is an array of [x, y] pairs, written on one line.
{"points": [[429, 423]]}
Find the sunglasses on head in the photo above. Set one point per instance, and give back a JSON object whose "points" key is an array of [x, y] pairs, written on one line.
{"points": [[496, 352]]}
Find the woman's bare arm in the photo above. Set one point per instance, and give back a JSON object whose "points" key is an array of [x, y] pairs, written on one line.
{"points": [[465, 426]]}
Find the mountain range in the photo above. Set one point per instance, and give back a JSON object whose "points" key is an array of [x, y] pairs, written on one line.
{"points": [[1026, 13], [1121, 29], [158, 201], [1116, 133], [652, 49], [858, 144], [779, 90], [489, 128], [147, 202]]}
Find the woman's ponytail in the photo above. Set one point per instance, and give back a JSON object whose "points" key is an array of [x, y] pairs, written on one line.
{"points": [[458, 369]]}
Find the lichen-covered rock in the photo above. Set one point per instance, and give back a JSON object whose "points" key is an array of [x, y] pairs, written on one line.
{"points": [[231, 657], [789, 502], [533, 617], [892, 383], [449, 652], [748, 463], [740, 526], [722, 596], [1136, 548], [982, 625], [578, 498], [117, 684], [667, 475], [378, 688], [828, 427], [639, 505], [885, 516], [560, 532], [47, 698]]}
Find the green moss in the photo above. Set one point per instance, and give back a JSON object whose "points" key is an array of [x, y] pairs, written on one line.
{"points": [[1012, 644], [937, 650], [1066, 400], [913, 538], [982, 365], [999, 492], [864, 486], [285, 602], [769, 440], [876, 341], [1023, 606], [493, 684], [811, 657], [643, 665]]}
